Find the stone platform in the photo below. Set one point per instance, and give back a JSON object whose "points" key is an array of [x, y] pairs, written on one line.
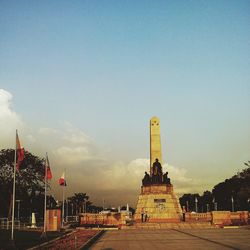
{"points": [[177, 239], [179, 225], [158, 203]]}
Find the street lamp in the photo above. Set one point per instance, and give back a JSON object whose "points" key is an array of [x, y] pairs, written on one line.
{"points": [[187, 206], [72, 209], [232, 199], [215, 204], [18, 209], [207, 207], [196, 205]]}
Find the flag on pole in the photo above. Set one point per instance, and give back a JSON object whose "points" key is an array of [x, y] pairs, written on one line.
{"points": [[196, 200], [49, 173], [62, 181], [20, 152], [232, 199]]}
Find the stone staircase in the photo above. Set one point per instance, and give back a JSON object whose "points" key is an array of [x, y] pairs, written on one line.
{"points": [[181, 225]]}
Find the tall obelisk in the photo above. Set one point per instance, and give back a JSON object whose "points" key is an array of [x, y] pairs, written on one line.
{"points": [[155, 142], [157, 202]]}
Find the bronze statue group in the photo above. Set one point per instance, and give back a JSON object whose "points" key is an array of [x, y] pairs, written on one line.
{"points": [[157, 176]]}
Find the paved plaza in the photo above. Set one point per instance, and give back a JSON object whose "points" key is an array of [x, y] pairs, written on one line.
{"points": [[230, 238]]}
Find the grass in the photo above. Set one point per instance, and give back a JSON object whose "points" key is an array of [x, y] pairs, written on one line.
{"points": [[25, 239]]}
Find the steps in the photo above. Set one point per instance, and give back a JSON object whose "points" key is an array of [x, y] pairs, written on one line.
{"points": [[181, 225]]}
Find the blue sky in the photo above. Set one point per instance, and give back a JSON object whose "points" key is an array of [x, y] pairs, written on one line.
{"points": [[102, 69]]}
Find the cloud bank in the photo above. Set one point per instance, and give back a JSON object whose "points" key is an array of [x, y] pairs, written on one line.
{"points": [[87, 167], [9, 119]]}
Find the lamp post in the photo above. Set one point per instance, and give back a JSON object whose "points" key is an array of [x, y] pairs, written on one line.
{"points": [[215, 206], [196, 205], [18, 209], [232, 200], [187, 206], [67, 210]]}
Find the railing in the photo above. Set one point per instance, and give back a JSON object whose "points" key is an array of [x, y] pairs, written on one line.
{"points": [[72, 219], [6, 224], [198, 217]]}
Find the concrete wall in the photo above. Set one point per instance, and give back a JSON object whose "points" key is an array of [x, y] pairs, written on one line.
{"points": [[53, 219], [105, 219], [219, 217]]}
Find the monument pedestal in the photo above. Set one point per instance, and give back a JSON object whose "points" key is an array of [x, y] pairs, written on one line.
{"points": [[158, 203]]}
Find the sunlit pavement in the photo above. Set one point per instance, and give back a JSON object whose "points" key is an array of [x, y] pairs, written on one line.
{"points": [[230, 238]]}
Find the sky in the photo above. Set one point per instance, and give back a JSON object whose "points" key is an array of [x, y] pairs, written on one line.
{"points": [[81, 80]]}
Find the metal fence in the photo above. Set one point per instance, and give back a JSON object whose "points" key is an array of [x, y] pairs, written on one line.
{"points": [[72, 219], [6, 224]]}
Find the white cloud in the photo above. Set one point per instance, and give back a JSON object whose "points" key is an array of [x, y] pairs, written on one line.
{"points": [[73, 135], [31, 138], [129, 176], [124, 179], [88, 168], [47, 131], [72, 155], [9, 120]]}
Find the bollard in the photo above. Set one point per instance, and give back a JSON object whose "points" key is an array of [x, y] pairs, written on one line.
{"points": [[33, 221], [75, 241]]}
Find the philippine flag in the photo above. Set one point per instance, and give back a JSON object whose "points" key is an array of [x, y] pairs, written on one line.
{"points": [[62, 181]]}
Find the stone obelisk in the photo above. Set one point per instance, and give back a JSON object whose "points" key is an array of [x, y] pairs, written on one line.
{"points": [[155, 142], [157, 202]]}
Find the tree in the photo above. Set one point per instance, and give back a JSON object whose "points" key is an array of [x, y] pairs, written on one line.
{"points": [[29, 183], [206, 201], [94, 209], [188, 200], [236, 188], [79, 200]]}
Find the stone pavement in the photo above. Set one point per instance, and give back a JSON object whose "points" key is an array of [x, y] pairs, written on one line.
{"points": [[181, 225], [153, 239]]}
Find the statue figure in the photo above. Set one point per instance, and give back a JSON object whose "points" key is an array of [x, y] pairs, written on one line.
{"points": [[146, 179], [166, 179], [157, 172]]}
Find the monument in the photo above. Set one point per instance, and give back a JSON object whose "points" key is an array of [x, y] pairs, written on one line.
{"points": [[157, 201]]}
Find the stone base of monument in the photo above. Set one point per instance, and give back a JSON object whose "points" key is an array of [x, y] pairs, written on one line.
{"points": [[157, 203]]}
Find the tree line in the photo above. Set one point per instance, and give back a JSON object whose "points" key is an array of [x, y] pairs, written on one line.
{"points": [[233, 194], [30, 189]]}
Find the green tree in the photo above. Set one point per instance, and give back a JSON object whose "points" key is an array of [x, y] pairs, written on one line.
{"points": [[237, 188], [29, 183], [79, 200], [188, 200]]}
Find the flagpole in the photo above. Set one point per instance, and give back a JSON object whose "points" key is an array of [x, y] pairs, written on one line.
{"points": [[64, 184], [63, 204], [45, 195], [13, 194], [196, 207]]}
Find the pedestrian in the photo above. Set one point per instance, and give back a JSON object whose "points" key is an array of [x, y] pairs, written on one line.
{"points": [[142, 215], [184, 213]]}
